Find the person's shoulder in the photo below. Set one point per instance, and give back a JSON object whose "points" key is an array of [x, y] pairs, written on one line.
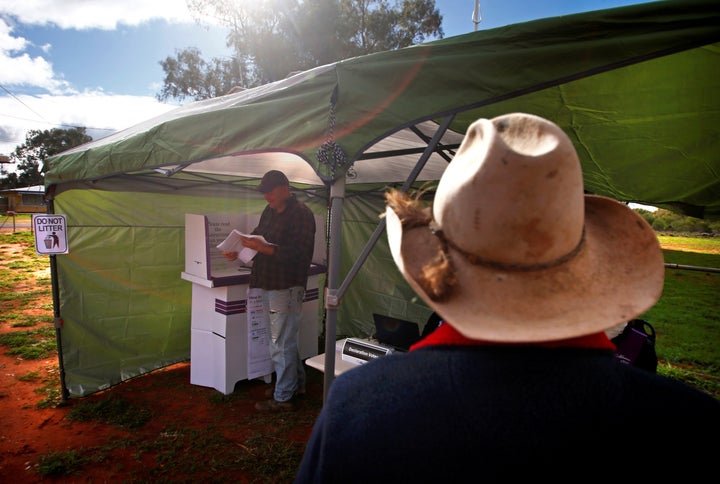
{"points": [[396, 366], [302, 208], [672, 392], [296, 204]]}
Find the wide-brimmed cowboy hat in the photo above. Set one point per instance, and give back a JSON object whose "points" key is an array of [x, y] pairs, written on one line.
{"points": [[528, 256]]}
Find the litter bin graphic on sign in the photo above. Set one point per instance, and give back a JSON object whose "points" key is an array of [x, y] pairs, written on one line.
{"points": [[51, 241]]}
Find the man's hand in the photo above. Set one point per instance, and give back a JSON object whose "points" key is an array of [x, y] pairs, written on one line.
{"points": [[230, 255], [257, 244]]}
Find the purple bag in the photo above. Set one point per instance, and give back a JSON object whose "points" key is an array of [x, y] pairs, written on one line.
{"points": [[636, 345]]}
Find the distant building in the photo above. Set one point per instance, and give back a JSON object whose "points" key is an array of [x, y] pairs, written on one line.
{"points": [[23, 200]]}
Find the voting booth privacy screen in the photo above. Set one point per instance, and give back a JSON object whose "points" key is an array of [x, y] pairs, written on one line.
{"points": [[635, 88]]}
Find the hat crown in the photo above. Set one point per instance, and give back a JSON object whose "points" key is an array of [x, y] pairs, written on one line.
{"points": [[513, 194]]}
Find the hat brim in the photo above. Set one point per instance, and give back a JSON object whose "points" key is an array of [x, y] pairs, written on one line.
{"points": [[617, 274]]}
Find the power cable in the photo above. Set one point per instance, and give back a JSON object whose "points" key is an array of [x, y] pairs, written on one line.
{"points": [[57, 124], [20, 101], [42, 118]]}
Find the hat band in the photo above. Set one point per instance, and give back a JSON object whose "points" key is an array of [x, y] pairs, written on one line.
{"points": [[477, 260]]}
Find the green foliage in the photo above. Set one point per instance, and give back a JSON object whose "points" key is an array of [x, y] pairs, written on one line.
{"points": [[188, 75], [38, 146], [272, 38], [667, 221]]}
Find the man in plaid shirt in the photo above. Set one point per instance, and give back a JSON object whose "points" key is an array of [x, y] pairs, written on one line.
{"points": [[280, 269]]}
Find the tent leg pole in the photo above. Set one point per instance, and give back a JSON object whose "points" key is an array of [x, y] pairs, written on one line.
{"points": [[337, 196], [57, 320]]}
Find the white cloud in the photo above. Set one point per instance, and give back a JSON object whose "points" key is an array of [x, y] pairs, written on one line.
{"points": [[19, 68], [101, 114], [24, 70], [8, 43], [61, 106], [95, 14]]}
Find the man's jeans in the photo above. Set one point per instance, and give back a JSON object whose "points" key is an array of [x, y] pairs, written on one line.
{"points": [[284, 308]]}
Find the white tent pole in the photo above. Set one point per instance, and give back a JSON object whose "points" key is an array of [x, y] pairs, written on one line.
{"points": [[432, 145], [334, 290], [337, 196]]}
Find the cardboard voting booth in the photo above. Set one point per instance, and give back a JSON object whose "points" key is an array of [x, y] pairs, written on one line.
{"points": [[229, 341]]}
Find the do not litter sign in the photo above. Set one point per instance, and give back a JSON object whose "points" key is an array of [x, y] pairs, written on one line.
{"points": [[50, 234]]}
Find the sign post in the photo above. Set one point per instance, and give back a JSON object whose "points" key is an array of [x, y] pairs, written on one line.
{"points": [[50, 234]]}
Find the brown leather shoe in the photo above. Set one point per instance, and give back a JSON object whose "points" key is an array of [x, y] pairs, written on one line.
{"points": [[273, 405]]}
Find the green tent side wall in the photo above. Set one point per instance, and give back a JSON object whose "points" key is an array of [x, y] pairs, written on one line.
{"points": [[124, 307], [636, 88]]}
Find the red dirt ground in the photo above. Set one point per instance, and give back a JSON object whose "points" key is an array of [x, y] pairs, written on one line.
{"points": [[226, 439]]}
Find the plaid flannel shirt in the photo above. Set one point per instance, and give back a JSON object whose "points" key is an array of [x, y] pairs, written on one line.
{"points": [[293, 233]]}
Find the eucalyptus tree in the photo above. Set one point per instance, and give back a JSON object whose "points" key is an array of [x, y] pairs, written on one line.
{"points": [[272, 38], [38, 146]]}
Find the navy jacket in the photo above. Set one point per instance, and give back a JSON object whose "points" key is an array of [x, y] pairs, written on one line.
{"points": [[502, 413]]}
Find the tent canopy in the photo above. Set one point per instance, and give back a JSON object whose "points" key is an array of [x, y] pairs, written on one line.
{"points": [[636, 88]]}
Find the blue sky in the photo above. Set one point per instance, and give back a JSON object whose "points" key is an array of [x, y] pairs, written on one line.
{"points": [[95, 63]]}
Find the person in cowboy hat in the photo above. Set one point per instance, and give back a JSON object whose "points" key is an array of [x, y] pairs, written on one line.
{"points": [[527, 272]]}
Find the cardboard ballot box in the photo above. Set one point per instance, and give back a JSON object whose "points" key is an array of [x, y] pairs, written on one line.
{"points": [[228, 340]]}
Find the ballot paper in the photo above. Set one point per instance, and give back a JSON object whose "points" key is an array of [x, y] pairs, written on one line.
{"points": [[232, 243]]}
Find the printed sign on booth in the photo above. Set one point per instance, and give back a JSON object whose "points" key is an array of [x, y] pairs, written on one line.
{"points": [[50, 234]]}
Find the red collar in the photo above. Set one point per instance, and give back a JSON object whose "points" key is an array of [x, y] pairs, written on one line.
{"points": [[445, 334]]}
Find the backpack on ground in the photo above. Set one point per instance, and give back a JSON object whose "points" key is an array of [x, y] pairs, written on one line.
{"points": [[636, 345]]}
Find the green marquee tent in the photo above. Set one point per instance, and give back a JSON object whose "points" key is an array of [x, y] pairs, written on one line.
{"points": [[636, 88]]}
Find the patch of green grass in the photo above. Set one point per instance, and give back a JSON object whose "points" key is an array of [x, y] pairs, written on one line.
{"points": [[23, 236], [33, 344], [690, 376], [273, 456], [22, 265], [9, 281], [6, 284], [266, 455], [686, 318], [10, 316], [25, 298], [113, 411], [25, 321], [31, 376], [50, 389], [58, 464], [695, 244]]}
